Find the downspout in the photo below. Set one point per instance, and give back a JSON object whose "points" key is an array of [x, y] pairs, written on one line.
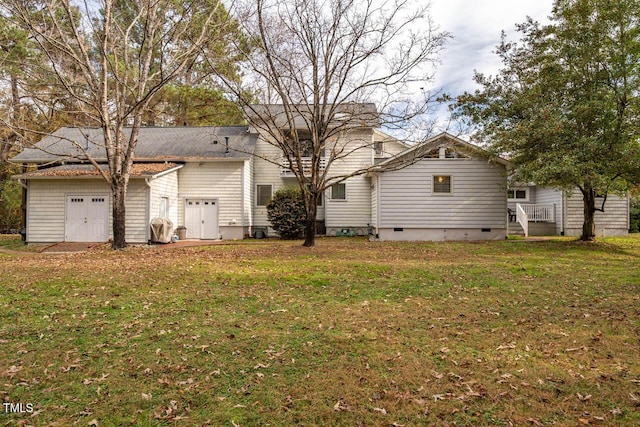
{"points": [[23, 208], [242, 210], [22, 184], [562, 212], [147, 232]]}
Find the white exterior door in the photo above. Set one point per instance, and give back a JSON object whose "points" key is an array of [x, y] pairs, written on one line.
{"points": [[87, 219], [201, 218]]}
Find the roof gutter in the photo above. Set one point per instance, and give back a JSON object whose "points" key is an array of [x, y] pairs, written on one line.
{"points": [[22, 184], [147, 232]]}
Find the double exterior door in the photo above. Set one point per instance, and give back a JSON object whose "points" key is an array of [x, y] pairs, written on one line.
{"points": [[201, 218], [87, 218]]}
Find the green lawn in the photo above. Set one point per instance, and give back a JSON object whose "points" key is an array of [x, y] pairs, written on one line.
{"points": [[347, 333]]}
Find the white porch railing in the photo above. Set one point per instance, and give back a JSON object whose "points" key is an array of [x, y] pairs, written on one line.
{"points": [[523, 219], [287, 170], [540, 212]]}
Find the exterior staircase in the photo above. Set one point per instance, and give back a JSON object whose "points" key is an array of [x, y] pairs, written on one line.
{"points": [[515, 229]]}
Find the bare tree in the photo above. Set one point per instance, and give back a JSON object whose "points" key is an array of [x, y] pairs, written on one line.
{"points": [[111, 57], [324, 62]]}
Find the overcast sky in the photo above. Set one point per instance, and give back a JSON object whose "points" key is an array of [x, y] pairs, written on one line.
{"points": [[476, 26]]}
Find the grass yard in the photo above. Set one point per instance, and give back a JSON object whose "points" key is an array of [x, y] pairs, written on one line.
{"points": [[346, 333]]}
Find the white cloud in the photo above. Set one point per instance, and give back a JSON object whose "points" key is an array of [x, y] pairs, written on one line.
{"points": [[476, 26]]}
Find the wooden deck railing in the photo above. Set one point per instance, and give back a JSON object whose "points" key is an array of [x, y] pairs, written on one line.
{"points": [[287, 170], [540, 212], [523, 219]]}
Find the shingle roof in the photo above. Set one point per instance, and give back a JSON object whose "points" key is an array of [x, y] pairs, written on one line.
{"points": [[346, 115], [138, 170], [154, 143]]}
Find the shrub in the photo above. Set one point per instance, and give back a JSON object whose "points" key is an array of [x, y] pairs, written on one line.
{"points": [[286, 212], [634, 223]]}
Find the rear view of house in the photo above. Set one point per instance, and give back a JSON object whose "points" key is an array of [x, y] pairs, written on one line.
{"points": [[217, 181]]}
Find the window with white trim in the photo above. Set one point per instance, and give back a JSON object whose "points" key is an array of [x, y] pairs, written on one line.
{"points": [[518, 194], [263, 194], [339, 191], [441, 184], [163, 208]]}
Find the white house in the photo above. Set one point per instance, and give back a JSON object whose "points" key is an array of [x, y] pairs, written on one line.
{"points": [[216, 182]]}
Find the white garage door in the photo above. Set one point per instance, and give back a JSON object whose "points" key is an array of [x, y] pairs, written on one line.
{"points": [[87, 219], [201, 218]]}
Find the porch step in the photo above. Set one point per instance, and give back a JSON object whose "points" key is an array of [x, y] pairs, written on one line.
{"points": [[515, 229]]}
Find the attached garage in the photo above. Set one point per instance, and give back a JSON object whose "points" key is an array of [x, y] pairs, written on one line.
{"points": [[72, 203]]}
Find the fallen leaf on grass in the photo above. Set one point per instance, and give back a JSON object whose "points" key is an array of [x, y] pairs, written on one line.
{"points": [[583, 398], [506, 346], [381, 410], [341, 406], [583, 420], [534, 421]]}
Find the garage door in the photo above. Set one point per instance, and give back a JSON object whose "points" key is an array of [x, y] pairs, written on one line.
{"points": [[87, 219], [201, 219]]}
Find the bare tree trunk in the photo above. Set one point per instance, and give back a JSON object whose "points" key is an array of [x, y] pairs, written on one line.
{"points": [[312, 211], [119, 192], [589, 224], [12, 138]]}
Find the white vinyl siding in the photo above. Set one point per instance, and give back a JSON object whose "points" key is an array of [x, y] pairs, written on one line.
{"points": [[247, 194], [551, 196], [612, 222], [374, 201], [222, 181], [356, 211], [137, 214], [165, 187], [268, 173], [478, 201], [47, 204]]}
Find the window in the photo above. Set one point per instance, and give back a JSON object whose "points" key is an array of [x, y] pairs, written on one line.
{"points": [[304, 144], [442, 184], [339, 191], [377, 146], [263, 194], [518, 194], [163, 208]]}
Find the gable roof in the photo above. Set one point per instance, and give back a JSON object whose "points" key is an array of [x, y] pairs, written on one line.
{"points": [[154, 144], [432, 144]]}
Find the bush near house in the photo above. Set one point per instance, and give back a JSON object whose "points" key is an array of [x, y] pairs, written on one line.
{"points": [[634, 214], [286, 212], [10, 201]]}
